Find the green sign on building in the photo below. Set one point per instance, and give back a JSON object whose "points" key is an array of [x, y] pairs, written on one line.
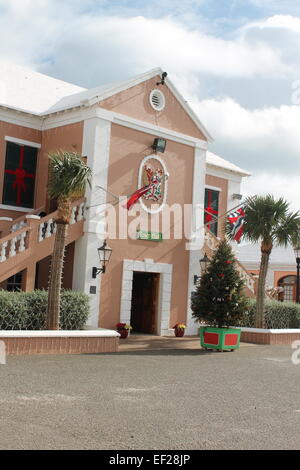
{"points": [[150, 236]]}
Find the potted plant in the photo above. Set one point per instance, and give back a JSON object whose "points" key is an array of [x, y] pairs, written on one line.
{"points": [[179, 330], [123, 329], [220, 302]]}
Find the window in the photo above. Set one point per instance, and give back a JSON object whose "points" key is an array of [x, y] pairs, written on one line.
{"points": [[14, 283], [19, 175], [212, 210], [288, 285]]}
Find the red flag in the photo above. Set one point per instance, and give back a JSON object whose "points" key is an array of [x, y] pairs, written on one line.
{"points": [[236, 219], [137, 195]]}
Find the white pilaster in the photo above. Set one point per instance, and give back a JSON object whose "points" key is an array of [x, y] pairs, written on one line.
{"points": [[197, 239], [96, 146], [234, 187]]}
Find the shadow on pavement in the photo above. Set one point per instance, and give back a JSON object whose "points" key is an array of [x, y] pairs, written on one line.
{"points": [[163, 352]]}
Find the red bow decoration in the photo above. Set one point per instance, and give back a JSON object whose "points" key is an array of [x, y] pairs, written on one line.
{"points": [[21, 174]]}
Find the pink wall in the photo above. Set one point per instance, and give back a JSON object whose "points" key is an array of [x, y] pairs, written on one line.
{"points": [[65, 138], [61, 138], [134, 102], [128, 148]]}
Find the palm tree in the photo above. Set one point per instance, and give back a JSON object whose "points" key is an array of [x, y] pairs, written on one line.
{"points": [[68, 179], [269, 222]]}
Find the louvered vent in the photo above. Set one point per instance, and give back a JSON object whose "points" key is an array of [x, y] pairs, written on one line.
{"points": [[157, 100]]}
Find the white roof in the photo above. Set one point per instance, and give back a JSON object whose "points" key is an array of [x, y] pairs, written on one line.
{"points": [[32, 92], [100, 93], [251, 254], [214, 160]]}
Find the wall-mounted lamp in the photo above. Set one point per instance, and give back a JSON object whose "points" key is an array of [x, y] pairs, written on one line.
{"points": [[163, 79], [104, 253], [237, 196], [159, 145]]}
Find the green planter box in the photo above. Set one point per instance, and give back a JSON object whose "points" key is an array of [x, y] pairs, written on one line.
{"points": [[221, 339]]}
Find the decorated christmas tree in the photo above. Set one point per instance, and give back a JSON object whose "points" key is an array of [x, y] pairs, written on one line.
{"points": [[219, 299]]}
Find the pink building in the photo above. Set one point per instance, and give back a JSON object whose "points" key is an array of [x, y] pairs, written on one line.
{"points": [[150, 277]]}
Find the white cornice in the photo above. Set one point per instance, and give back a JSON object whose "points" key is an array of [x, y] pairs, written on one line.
{"points": [[81, 114], [20, 118], [224, 173]]}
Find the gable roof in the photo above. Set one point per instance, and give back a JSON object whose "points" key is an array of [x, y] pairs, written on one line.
{"points": [[25, 90], [215, 161], [31, 92], [95, 95]]}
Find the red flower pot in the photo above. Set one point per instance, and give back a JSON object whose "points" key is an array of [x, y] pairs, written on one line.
{"points": [[123, 333], [179, 332]]}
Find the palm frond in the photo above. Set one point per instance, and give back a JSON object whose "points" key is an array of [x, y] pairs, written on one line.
{"points": [[69, 175]]}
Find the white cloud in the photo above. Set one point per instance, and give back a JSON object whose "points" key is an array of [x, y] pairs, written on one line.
{"points": [[263, 183], [267, 138], [279, 21], [35, 32], [94, 42], [264, 141]]}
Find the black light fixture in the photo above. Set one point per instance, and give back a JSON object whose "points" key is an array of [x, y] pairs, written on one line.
{"points": [[204, 262], [159, 145], [297, 255], [104, 253], [239, 197], [163, 79]]}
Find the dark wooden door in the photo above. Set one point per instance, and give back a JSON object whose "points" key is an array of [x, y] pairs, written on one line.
{"points": [[144, 302]]}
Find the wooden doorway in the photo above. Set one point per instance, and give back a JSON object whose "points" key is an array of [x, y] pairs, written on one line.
{"points": [[144, 306]]}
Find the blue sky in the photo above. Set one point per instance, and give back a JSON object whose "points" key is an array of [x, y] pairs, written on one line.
{"points": [[235, 62]]}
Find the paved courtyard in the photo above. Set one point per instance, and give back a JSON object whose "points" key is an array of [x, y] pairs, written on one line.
{"points": [[154, 394]]}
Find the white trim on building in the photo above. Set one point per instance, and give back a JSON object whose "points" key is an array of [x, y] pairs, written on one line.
{"points": [[96, 145], [29, 143]]}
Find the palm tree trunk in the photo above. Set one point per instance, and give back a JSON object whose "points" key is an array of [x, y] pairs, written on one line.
{"points": [[56, 270], [260, 297]]}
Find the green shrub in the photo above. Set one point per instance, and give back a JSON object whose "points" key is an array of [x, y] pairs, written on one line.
{"points": [[278, 315], [27, 310]]}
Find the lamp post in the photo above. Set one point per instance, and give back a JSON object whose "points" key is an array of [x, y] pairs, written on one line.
{"points": [[104, 253], [297, 255], [204, 262]]}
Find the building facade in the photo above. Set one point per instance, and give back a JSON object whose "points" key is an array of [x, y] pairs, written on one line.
{"points": [[281, 281], [158, 242]]}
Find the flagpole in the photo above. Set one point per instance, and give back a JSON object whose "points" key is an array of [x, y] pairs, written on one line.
{"points": [[225, 213], [117, 201]]}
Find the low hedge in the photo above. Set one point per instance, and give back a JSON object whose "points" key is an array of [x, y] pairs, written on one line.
{"points": [[27, 310], [278, 315]]}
